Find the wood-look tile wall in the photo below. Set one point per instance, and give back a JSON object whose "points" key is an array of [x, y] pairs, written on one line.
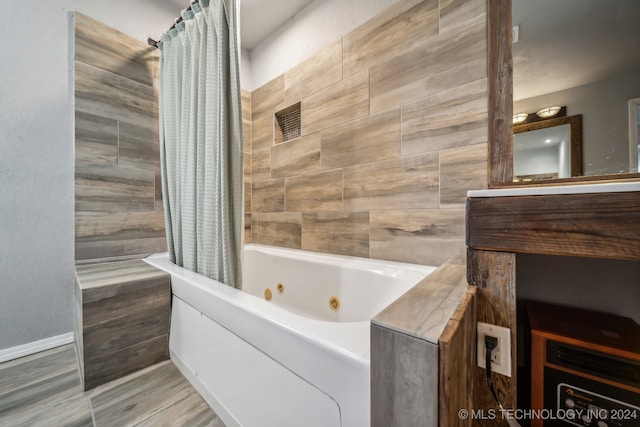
{"points": [[117, 179], [394, 132], [246, 143]]}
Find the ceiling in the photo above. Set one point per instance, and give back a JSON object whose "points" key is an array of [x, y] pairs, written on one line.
{"points": [[258, 18], [261, 18], [569, 43], [562, 44]]}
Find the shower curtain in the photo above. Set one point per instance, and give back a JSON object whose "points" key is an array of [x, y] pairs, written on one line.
{"points": [[201, 141]]}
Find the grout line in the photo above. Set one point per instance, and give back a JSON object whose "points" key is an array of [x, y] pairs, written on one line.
{"points": [[369, 90], [341, 58], [342, 188], [301, 230], [369, 230], [257, 227], [118, 145], [439, 181], [284, 193], [91, 411], [439, 16], [401, 128]]}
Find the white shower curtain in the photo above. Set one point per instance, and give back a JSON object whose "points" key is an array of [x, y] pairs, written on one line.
{"points": [[201, 141]]}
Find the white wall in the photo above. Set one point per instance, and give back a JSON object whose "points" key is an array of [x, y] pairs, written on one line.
{"points": [[36, 160], [315, 27], [605, 119], [246, 79], [536, 161]]}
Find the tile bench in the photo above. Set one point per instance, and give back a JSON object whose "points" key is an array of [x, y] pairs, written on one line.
{"points": [[122, 319]]}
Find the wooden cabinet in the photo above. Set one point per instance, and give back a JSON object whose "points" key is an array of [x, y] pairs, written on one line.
{"points": [[596, 225]]}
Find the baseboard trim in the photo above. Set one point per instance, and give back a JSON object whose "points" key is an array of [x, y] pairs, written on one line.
{"points": [[35, 347]]}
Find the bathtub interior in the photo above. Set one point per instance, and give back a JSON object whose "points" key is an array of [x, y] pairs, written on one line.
{"points": [[327, 287]]}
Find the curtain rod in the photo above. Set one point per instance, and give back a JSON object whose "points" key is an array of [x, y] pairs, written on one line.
{"points": [[154, 43]]}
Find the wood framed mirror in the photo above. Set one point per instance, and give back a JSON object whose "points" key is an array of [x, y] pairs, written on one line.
{"points": [[547, 149], [605, 156]]}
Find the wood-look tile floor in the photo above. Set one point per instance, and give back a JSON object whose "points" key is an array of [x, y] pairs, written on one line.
{"points": [[44, 389]]}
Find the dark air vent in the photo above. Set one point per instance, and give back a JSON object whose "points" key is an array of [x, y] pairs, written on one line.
{"points": [[288, 124]]}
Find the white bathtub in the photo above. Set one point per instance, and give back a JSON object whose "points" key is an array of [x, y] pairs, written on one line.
{"points": [[291, 361]]}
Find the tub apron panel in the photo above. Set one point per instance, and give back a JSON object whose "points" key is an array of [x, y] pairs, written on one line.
{"points": [[241, 383]]}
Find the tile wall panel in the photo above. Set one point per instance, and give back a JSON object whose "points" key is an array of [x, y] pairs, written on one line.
{"points": [[110, 110], [247, 195], [246, 164], [117, 185], [461, 169], [372, 138], [343, 233], [381, 39], [428, 68], [158, 191], [261, 165], [268, 196], [421, 236], [138, 145], [461, 15], [96, 139], [280, 229], [403, 183], [296, 157], [247, 160], [304, 79], [108, 49], [106, 188], [384, 109], [314, 192], [268, 98], [248, 237], [452, 118], [110, 366], [262, 132], [338, 103], [404, 385], [247, 181], [110, 88], [254, 228], [116, 234]]}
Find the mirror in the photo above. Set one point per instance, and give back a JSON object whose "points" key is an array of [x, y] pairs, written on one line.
{"points": [[547, 149], [582, 54]]}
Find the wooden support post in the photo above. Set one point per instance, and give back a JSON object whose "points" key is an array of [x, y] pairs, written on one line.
{"points": [[494, 273]]}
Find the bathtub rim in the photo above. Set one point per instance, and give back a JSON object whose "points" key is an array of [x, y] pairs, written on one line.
{"points": [[316, 332], [257, 308]]}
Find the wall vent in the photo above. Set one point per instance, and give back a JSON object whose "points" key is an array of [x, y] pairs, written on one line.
{"points": [[288, 124]]}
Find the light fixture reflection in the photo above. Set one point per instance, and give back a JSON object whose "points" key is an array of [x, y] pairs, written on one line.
{"points": [[519, 118], [548, 111]]}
